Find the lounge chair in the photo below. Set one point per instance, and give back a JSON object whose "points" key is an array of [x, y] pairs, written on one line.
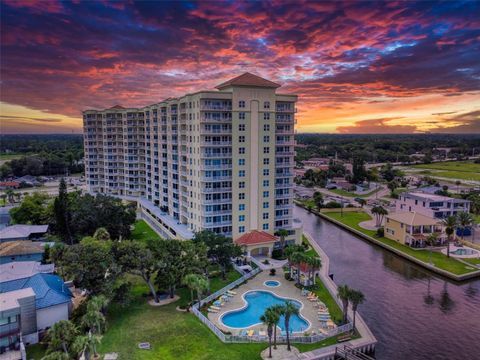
{"points": [[210, 310], [242, 333], [231, 292], [215, 308]]}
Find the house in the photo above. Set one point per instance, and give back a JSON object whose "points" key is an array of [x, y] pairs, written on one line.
{"points": [[52, 303], [257, 243], [23, 232], [412, 229], [9, 185], [22, 269], [28, 180], [431, 205], [24, 250]]}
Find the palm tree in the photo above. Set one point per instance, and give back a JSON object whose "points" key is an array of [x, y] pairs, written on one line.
{"points": [[10, 194], [191, 281], [431, 240], [4, 199], [450, 223], [295, 259], [202, 286], [362, 202], [269, 318], [279, 310], [289, 309], [314, 263], [318, 199], [379, 212], [343, 293], [87, 345], [465, 220], [283, 233], [61, 336], [356, 297]]}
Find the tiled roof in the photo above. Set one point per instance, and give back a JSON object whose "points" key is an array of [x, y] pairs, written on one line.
{"points": [[255, 237], [49, 289], [23, 269], [248, 79], [21, 231], [412, 218], [21, 247]]}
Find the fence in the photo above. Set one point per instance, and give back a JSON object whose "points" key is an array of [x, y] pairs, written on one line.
{"points": [[228, 338]]}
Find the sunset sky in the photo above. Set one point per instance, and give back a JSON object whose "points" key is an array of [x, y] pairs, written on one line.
{"points": [[358, 67]]}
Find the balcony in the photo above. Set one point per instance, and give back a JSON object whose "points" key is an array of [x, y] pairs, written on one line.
{"points": [[215, 143], [216, 155]]}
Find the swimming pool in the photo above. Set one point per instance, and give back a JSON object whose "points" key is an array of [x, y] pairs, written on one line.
{"points": [[256, 303], [271, 283]]}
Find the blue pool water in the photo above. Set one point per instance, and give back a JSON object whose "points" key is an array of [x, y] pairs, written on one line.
{"points": [[272, 283], [257, 302]]}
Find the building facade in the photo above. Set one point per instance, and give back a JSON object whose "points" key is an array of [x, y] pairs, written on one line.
{"points": [[217, 160], [431, 205]]}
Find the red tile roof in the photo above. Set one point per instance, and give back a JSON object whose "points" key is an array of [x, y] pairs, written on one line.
{"points": [[248, 79], [255, 237]]}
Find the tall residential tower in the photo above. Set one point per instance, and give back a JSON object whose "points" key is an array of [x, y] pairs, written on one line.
{"points": [[218, 160]]}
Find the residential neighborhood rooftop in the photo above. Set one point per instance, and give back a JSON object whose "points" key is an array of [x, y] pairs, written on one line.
{"points": [[255, 237], [21, 247], [9, 301], [21, 231], [432, 197], [412, 218], [23, 269]]}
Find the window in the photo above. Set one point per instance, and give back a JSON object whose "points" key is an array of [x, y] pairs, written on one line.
{"points": [[266, 105], [241, 162], [241, 150], [241, 218], [266, 183], [241, 229], [266, 172], [265, 216], [241, 127], [266, 205], [241, 184], [266, 161], [266, 150], [241, 196], [266, 116], [241, 207], [241, 173], [241, 115], [265, 194], [266, 127], [241, 139], [265, 226], [266, 138], [241, 104]]}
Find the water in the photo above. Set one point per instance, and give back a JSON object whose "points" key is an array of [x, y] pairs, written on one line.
{"points": [[257, 302], [464, 252], [413, 313], [272, 283]]}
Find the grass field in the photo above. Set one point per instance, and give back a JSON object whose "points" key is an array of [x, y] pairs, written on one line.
{"points": [[463, 170], [142, 231], [441, 261], [10, 156]]}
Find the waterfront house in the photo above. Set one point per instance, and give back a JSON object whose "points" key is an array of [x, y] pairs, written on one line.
{"points": [[431, 205], [412, 229]]}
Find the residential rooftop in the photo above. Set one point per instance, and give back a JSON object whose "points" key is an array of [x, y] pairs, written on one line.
{"points": [[9, 300], [21, 247], [432, 197], [412, 218], [248, 79], [21, 231], [255, 237], [23, 269]]}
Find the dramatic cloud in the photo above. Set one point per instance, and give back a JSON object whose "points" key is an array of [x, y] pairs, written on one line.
{"points": [[376, 126], [348, 61]]}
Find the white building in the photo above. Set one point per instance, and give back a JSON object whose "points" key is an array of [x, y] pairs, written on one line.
{"points": [[218, 160], [431, 205]]}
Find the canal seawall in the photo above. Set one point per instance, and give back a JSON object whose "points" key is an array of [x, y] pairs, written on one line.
{"points": [[445, 273]]}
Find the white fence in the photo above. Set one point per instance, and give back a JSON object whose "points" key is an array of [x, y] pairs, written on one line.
{"points": [[228, 338]]}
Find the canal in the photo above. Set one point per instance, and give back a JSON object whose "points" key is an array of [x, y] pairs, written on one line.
{"points": [[413, 313]]}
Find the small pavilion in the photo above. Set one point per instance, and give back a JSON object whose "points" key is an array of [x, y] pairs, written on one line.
{"points": [[257, 243]]}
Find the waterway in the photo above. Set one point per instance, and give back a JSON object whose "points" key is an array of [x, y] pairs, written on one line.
{"points": [[413, 313]]}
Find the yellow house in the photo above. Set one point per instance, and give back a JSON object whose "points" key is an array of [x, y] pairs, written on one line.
{"points": [[412, 229]]}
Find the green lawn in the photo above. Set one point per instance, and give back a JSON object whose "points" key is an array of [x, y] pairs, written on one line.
{"points": [[473, 261], [11, 156], [353, 195], [466, 170], [438, 259], [142, 231]]}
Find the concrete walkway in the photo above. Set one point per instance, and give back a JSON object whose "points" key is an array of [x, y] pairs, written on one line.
{"points": [[281, 353]]}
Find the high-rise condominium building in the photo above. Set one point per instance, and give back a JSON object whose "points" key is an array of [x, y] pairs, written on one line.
{"points": [[218, 160]]}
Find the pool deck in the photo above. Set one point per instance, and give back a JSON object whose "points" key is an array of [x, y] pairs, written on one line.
{"points": [[286, 289]]}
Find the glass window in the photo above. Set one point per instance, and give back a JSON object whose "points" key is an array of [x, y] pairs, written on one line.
{"points": [[241, 104], [266, 105], [265, 226], [241, 229], [241, 207]]}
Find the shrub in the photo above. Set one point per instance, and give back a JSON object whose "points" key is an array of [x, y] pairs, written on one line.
{"points": [[287, 276], [273, 272], [380, 232], [266, 262], [277, 255], [333, 205]]}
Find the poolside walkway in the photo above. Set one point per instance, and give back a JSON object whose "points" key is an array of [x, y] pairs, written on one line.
{"points": [[286, 289]]}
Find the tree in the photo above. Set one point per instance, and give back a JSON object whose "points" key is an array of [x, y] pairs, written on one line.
{"points": [[198, 283], [392, 185], [343, 293], [318, 199], [94, 319], [362, 202], [220, 249], [356, 297], [61, 337], [10, 195], [101, 234], [465, 220], [314, 263], [279, 310], [289, 309], [87, 345], [379, 212], [61, 210], [137, 258], [270, 318], [450, 223], [283, 233], [35, 209], [358, 169]]}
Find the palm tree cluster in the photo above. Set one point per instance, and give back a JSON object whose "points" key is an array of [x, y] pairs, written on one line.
{"points": [[297, 258], [379, 212], [197, 283], [462, 220], [271, 318], [348, 295]]}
